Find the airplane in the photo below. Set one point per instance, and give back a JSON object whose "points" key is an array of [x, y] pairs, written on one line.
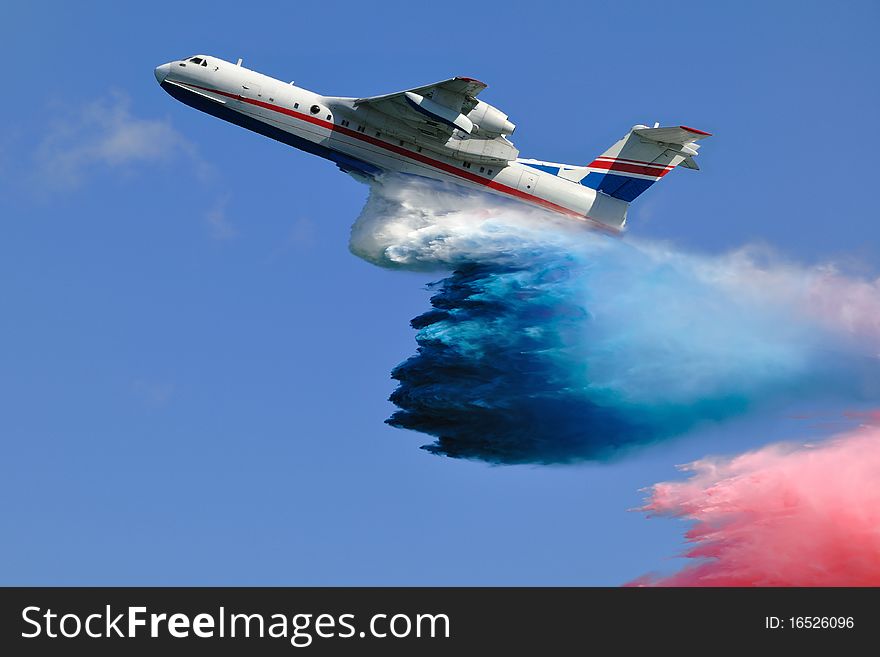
{"points": [[439, 131]]}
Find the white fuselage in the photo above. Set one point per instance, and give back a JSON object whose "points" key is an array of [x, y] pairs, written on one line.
{"points": [[364, 140]]}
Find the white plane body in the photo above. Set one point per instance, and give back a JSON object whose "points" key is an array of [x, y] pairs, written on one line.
{"points": [[437, 131]]}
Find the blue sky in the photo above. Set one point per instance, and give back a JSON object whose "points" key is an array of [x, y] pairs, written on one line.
{"points": [[195, 369]]}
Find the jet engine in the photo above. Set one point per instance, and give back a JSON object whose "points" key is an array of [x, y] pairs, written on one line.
{"points": [[491, 121]]}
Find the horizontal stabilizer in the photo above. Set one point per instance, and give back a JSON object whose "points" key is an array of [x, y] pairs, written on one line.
{"points": [[680, 135], [640, 159]]}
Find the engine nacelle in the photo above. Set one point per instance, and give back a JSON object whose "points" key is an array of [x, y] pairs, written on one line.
{"points": [[490, 120]]}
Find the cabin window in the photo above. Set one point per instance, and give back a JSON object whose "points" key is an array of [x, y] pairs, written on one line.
{"points": [[361, 128], [314, 109], [482, 169], [378, 134], [329, 117], [466, 165], [401, 142], [344, 123], [296, 106], [419, 149], [271, 100], [489, 172]]}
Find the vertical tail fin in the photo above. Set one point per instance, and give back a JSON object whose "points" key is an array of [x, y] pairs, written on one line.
{"points": [[639, 160]]}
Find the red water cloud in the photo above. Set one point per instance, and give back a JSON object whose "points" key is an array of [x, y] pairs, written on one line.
{"points": [[843, 304], [784, 515]]}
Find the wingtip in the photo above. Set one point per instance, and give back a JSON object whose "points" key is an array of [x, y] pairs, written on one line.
{"points": [[695, 131], [474, 80]]}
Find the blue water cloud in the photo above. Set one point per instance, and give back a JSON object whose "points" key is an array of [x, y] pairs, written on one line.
{"points": [[551, 343]]}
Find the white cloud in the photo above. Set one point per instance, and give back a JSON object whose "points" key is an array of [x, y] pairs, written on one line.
{"points": [[104, 136], [218, 222]]}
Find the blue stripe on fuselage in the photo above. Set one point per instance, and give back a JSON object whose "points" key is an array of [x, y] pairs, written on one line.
{"points": [[221, 111], [623, 187]]}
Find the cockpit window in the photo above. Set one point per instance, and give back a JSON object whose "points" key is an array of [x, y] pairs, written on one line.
{"points": [[196, 60], [204, 62]]}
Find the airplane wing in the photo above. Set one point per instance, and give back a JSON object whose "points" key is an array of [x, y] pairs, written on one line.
{"points": [[439, 112], [447, 100]]}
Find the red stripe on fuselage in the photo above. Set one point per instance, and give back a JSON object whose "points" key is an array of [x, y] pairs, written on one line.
{"points": [[442, 166]]}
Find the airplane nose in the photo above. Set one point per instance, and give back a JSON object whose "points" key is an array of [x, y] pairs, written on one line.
{"points": [[162, 72]]}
